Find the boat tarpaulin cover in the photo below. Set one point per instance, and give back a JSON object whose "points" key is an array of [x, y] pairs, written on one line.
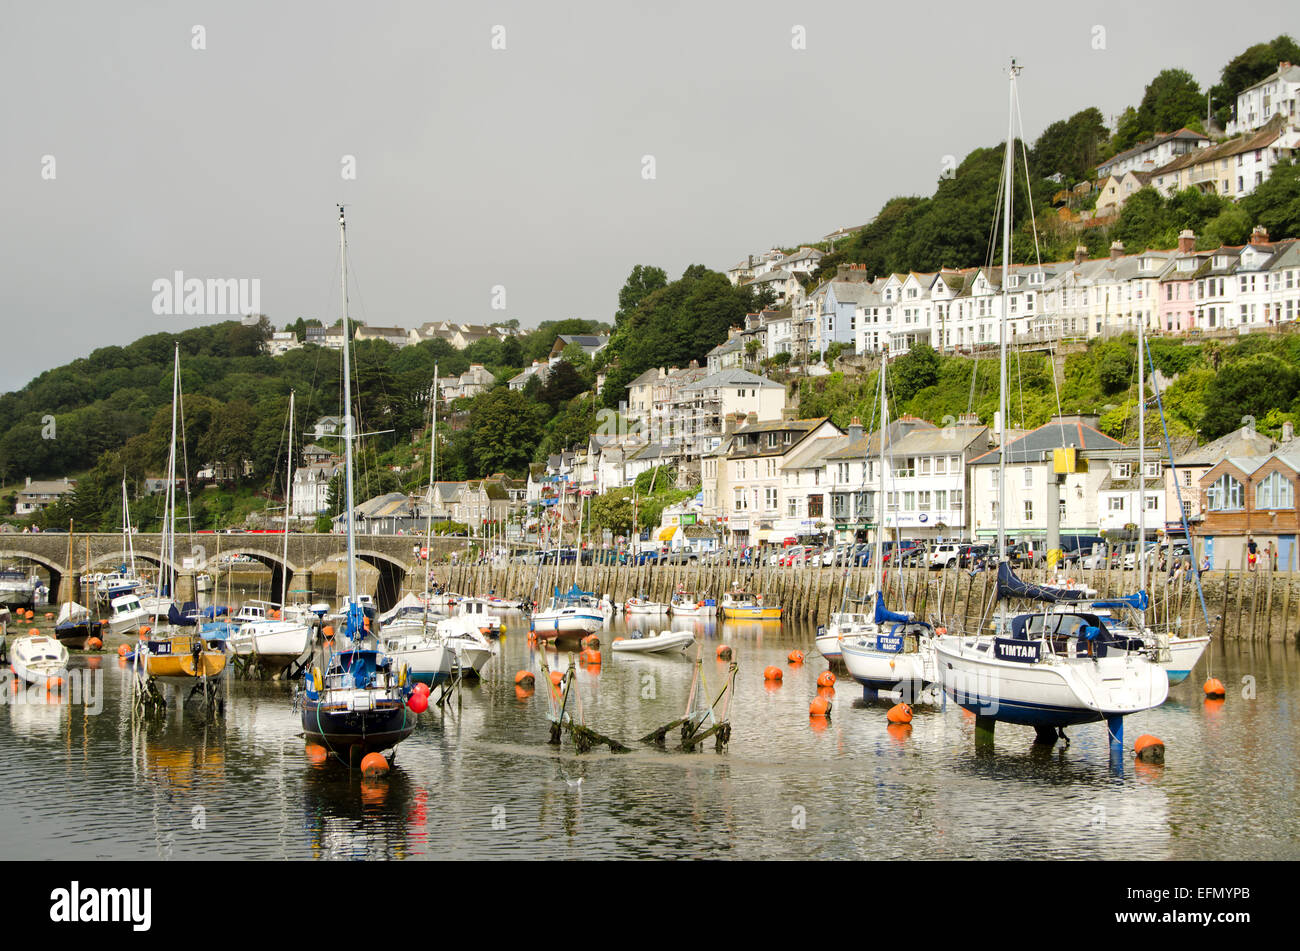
{"points": [[573, 593], [883, 614], [1138, 601], [1009, 586]]}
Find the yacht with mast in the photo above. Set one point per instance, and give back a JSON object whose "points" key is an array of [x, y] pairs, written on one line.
{"points": [[885, 650], [1047, 669], [358, 704], [279, 640]]}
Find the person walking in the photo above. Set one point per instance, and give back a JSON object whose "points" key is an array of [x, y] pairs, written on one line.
{"points": [[1252, 552]]}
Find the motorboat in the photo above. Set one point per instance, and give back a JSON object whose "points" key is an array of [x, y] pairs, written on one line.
{"points": [[271, 641], [644, 606], [477, 612], [126, 613], [469, 648], [744, 605], [651, 643], [17, 588], [38, 659], [684, 604]]}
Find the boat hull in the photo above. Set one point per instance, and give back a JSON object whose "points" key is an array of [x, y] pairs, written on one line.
{"points": [[884, 670], [1184, 653], [666, 642], [75, 636], [547, 625], [1048, 695], [742, 613], [828, 645], [354, 733], [274, 642]]}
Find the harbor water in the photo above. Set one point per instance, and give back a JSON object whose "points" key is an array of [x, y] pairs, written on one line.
{"points": [[90, 781]]}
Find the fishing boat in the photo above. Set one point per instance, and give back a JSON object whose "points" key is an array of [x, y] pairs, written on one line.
{"points": [[17, 588], [642, 605], [478, 613], [38, 659], [358, 704], [685, 604], [1043, 668], [279, 640], [662, 643], [572, 612], [747, 606]]}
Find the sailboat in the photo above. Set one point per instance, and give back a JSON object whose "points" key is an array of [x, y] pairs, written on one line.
{"points": [[885, 650], [357, 705], [570, 612], [1049, 669], [279, 640], [409, 631], [75, 624], [174, 654]]}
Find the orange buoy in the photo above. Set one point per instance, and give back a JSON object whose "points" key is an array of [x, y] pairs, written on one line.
{"points": [[49, 616], [34, 632], [145, 630], [899, 713], [826, 679], [820, 707], [327, 631], [724, 652], [523, 693], [593, 642], [617, 639], [374, 764], [524, 678], [94, 643], [316, 753], [772, 673], [556, 677], [123, 650], [795, 657], [1149, 749], [1214, 688]]}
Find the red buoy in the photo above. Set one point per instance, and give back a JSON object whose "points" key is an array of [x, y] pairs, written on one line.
{"points": [[374, 764], [724, 652], [772, 673], [1149, 749], [795, 657], [418, 702], [899, 713]]}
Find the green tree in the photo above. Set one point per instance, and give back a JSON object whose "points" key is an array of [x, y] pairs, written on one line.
{"points": [[1249, 387], [1275, 203]]}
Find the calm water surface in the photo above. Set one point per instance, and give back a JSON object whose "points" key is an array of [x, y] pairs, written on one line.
{"points": [[481, 782]]}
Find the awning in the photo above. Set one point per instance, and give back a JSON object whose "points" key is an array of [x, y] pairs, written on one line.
{"points": [[667, 534]]}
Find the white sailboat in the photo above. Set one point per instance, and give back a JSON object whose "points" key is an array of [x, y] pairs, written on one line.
{"points": [[1047, 669], [882, 649], [410, 631], [279, 640]]}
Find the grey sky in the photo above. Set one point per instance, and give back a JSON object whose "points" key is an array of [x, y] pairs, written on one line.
{"points": [[479, 167]]}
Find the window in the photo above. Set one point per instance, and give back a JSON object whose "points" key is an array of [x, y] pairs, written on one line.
{"points": [[956, 500], [1152, 470], [1029, 511], [941, 500], [1275, 491], [940, 465], [771, 468], [925, 465], [923, 501], [742, 500], [1225, 495], [1153, 503], [1029, 477], [909, 501], [792, 508], [891, 501], [769, 499], [1116, 503], [815, 506], [1123, 470], [840, 505], [842, 471], [773, 440]]}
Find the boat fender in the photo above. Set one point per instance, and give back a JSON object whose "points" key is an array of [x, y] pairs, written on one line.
{"points": [[317, 680]]}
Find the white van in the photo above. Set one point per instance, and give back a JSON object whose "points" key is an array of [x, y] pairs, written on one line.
{"points": [[941, 556]]}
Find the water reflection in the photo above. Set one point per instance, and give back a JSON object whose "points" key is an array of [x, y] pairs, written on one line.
{"points": [[477, 778]]}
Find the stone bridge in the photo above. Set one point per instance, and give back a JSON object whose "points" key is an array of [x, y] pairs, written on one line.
{"points": [[393, 556]]}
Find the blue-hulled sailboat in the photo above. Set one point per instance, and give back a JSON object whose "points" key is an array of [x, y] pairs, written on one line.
{"points": [[357, 705]]}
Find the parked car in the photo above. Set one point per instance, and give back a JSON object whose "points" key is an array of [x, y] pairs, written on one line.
{"points": [[684, 557]]}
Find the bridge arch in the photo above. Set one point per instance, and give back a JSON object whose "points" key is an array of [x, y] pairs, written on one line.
{"points": [[392, 575], [55, 568]]}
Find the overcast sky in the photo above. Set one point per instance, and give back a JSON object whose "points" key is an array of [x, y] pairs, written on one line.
{"points": [[522, 167]]}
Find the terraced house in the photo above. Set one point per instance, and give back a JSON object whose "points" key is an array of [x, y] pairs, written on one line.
{"points": [[1251, 497]]}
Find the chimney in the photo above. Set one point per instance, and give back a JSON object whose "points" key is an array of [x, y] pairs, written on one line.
{"points": [[1259, 235], [855, 430], [751, 419], [1249, 426], [732, 331], [1080, 254], [1186, 241], [841, 270], [695, 364], [29, 480], [729, 424], [1116, 250], [1288, 431]]}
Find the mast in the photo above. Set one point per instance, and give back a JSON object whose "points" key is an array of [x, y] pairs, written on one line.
{"points": [[428, 515], [288, 501], [1002, 322], [1142, 458], [880, 481], [347, 409]]}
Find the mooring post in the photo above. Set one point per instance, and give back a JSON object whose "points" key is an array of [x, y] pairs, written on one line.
{"points": [[1115, 732]]}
